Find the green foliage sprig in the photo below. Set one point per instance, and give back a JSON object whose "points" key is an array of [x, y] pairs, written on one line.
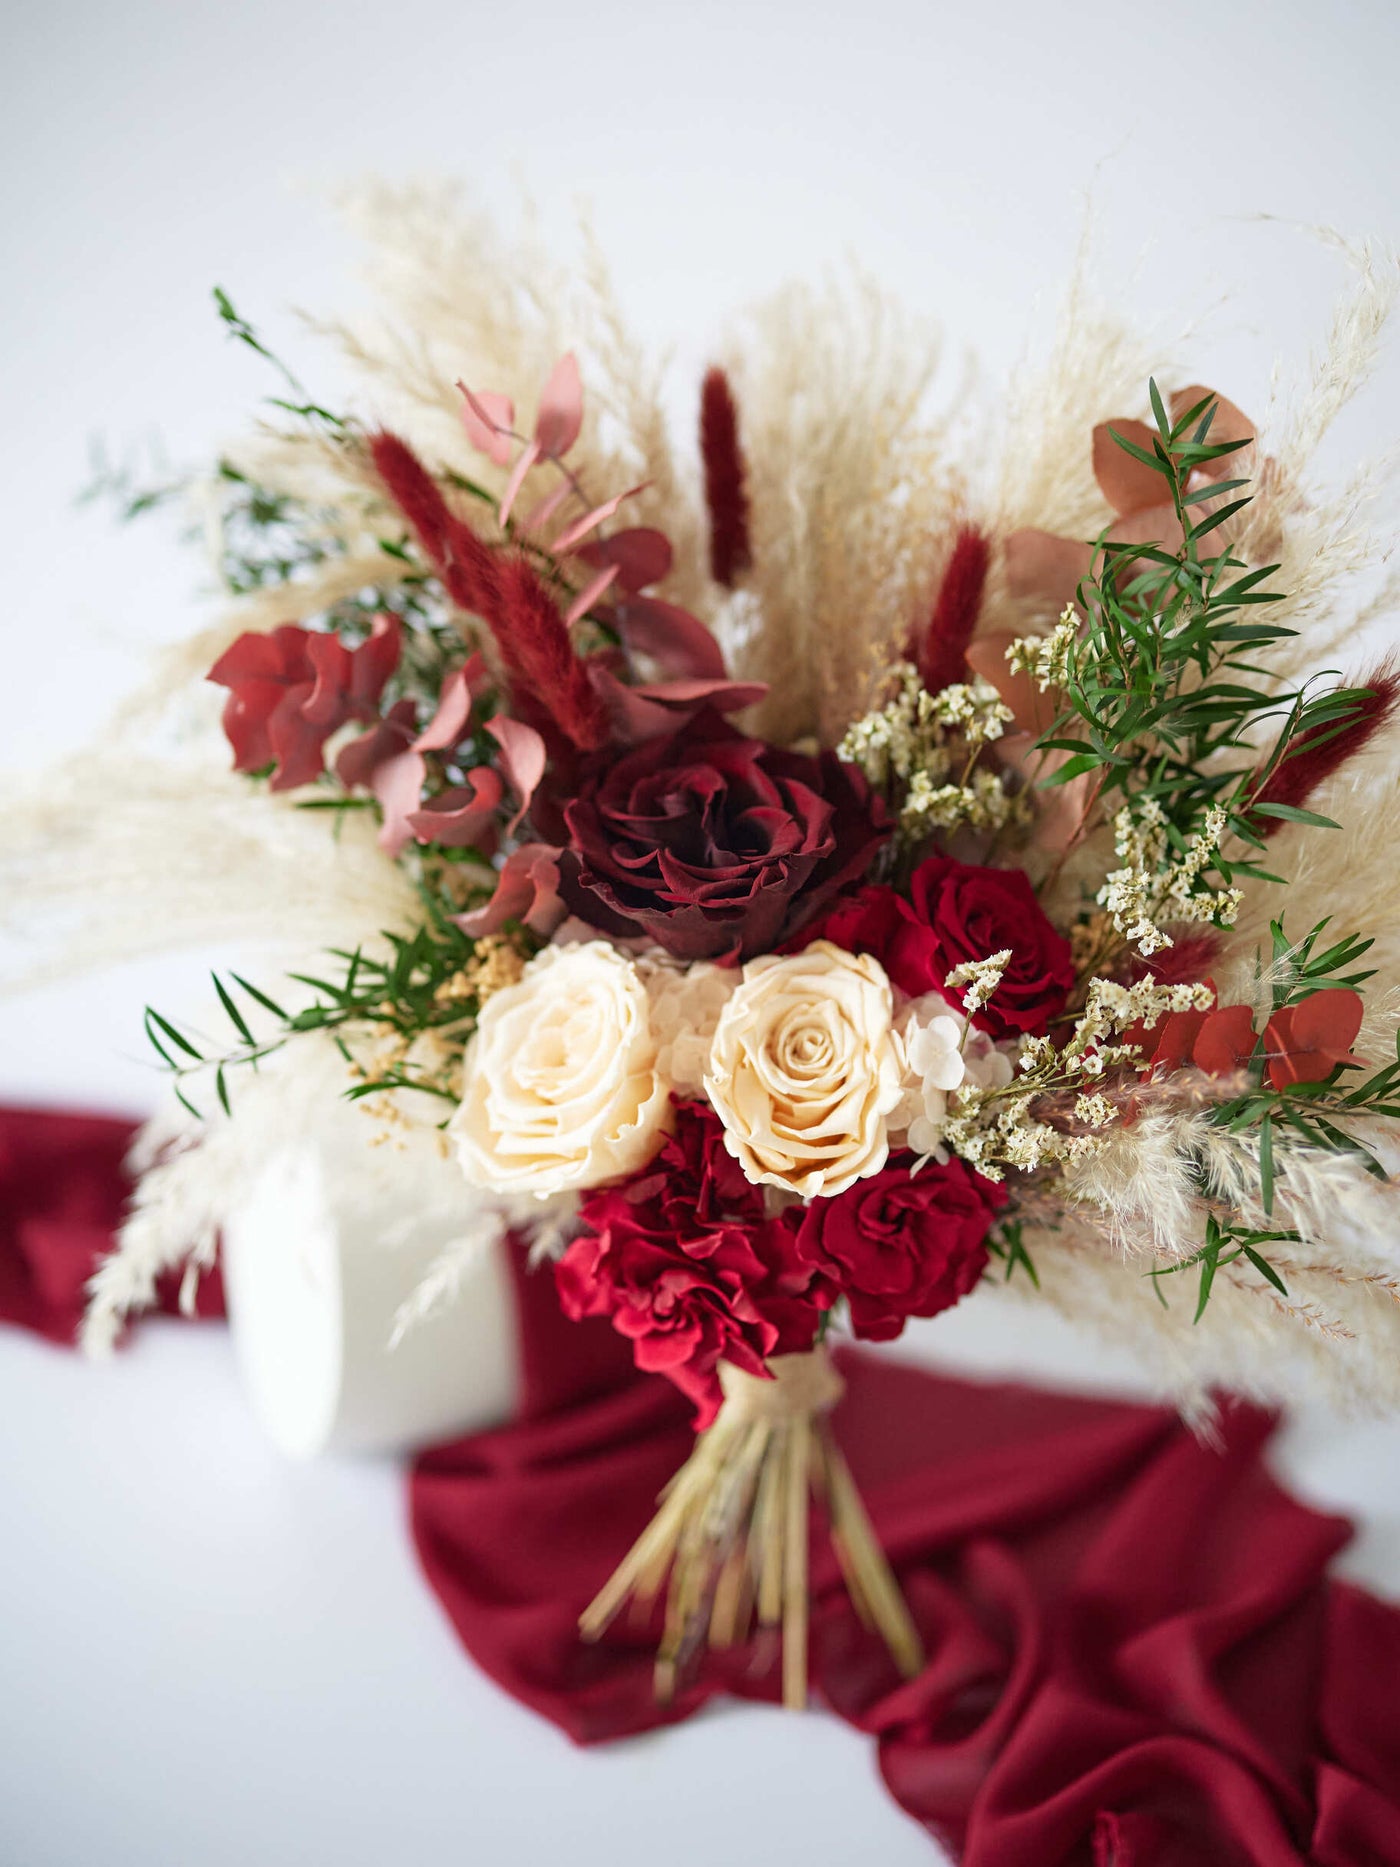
{"points": [[1161, 686], [401, 994]]}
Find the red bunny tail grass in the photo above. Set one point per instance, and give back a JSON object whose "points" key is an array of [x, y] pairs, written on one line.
{"points": [[540, 658], [725, 493], [942, 656], [1316, 755], [412, 490], [544, 672], [466, 565]]}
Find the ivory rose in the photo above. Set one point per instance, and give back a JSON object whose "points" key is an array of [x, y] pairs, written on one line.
{"points": [[804, 1069], [561, 1089]]}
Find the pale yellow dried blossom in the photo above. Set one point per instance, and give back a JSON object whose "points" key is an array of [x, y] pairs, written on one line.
{"points": [[1046, 657], [981, 977], [920, 749], [1151, 886]]}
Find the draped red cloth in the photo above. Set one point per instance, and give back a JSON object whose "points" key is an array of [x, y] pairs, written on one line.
{"points": [[1136, 1657]]}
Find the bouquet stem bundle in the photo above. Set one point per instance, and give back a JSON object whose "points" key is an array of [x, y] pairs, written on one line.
{"points": [[731, 1532]]}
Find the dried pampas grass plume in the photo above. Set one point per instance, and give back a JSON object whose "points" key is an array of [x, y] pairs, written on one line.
{"points": [[852, 496]]}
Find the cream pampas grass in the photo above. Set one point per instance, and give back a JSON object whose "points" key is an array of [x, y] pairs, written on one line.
{"points": [[853, 496], [118, 855], [1137, 1208], [193, 1175]]}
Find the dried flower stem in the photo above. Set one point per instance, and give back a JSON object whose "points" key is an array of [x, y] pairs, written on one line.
{"points": [[731, 1532]]}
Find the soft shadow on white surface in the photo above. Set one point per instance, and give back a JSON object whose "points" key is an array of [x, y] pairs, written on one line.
{"points": [[210, 1655]]}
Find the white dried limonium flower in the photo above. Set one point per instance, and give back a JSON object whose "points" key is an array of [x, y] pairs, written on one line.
{"points": [[981, 977], [805, 1069], [1046, 658], [561, 1089], [1152, 885]]}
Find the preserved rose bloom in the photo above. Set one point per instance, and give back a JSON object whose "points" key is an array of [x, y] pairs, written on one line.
{"points": [[805, 1069], [716, 845], [902, 1243], [959, 912], [560, 1085]]}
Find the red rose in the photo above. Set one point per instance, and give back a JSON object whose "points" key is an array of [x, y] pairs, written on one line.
{"points": [[957, 912], [902, 1244], [683, 1261], [714, 844]]}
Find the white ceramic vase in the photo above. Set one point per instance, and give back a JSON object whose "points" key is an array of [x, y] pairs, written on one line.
{"points": [[330, 1239]]}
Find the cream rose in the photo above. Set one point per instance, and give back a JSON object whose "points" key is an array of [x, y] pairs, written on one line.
{"points": [[560, 1084], [804, 1069]]}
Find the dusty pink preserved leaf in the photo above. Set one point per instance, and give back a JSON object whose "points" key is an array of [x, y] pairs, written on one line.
{"points": [[596, 586], [527, 890], [539, 515], [385, 762], [488, 420], [522, 760], [560, 414], [464, 815], [576, 533], [529, 454], [453, 711]]}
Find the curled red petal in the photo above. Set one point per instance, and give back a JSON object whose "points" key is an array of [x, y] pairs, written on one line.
{"points": [[679, 643], [527, 890]]}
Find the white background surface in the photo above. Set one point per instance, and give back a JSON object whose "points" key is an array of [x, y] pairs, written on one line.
{"points": [[209, 1656]]}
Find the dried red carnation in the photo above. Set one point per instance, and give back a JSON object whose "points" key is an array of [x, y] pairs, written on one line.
{"points": [[714, 844], [901, 1243], [683, 1262]]}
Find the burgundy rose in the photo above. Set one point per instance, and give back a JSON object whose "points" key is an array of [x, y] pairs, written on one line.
{"points": [[716, 845], [902, 1244], [957, 912], [683, 1261]]}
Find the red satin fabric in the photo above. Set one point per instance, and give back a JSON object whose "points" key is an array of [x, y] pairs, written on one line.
{"points": [[1136, 1658], [62, 1193]]}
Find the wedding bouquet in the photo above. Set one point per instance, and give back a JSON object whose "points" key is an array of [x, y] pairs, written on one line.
{"points": [[812, 889]]}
